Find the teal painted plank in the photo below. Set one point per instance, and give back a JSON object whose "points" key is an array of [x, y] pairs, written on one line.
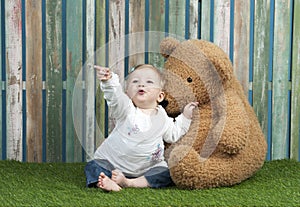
{"points": [[280, 79], [261, 59], [54, 80], [205, 20], [295, 115], [177, 18], [157, 25], [74, 63]]}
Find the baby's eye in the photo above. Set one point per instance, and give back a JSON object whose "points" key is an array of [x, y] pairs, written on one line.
{"points": [[150, 81], [134, 81]]}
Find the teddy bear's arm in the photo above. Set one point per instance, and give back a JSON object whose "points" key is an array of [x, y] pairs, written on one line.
{"points": [[236, 130]]}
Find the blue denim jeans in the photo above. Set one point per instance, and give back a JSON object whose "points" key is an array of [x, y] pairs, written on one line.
{"points": [[157, 177]]}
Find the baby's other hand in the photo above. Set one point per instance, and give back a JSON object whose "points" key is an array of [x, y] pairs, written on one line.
{"points": [[188, 109], [102, 73]]}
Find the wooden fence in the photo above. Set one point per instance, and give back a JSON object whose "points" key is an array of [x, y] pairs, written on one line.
{"points": [[51, 107]]}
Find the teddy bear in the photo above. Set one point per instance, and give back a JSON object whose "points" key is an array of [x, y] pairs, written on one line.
{"points": [[224, 144]]}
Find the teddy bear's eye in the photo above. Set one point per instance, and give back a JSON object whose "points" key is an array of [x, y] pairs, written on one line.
{"points": [[189, 79]]}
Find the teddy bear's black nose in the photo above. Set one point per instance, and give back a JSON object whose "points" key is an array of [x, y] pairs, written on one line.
{"points": [[189, 79]]}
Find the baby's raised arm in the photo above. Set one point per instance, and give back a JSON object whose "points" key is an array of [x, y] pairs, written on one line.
{"points": [[102, 73], [188, 109]]}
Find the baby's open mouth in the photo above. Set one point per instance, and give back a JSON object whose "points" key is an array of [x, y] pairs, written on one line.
{"points": [[141, 91]]}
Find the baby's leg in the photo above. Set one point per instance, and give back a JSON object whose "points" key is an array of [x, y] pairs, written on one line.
{"points": [[107, 184], [119, 178]]}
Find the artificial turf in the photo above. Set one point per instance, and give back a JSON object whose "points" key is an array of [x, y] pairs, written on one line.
{"points": [[63, 184]]}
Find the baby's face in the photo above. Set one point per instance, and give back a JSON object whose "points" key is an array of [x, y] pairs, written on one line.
{"points": [[144, 87]]}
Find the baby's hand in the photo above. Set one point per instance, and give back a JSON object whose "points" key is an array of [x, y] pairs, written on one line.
{"points": [[188, 109], [102, 73]]}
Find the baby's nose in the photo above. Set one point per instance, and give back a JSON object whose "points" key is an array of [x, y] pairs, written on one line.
{"points": [[141, 85]]}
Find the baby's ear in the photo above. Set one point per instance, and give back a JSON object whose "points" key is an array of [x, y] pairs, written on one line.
{"points": [[167, 46]]}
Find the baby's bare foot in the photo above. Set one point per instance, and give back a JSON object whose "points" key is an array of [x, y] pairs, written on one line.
{"points": [[107, 184], [119, 178]]}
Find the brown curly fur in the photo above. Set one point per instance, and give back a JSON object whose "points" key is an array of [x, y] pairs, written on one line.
{"points": [[225, 144]]}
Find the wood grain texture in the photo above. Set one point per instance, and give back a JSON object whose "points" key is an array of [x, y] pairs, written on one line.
{"points": [[242, 42], [100, 57], [157, 26], [280, 79], [260, 65], [13, 39], [54, 80], [177, 18], [205, 20], [74, 65], [34, 80], [89, 101], [295, 121], [136, 26], [193, 19], [222, 24]]}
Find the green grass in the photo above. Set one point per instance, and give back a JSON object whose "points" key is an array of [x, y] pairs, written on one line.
{"points": [[61, 184]]}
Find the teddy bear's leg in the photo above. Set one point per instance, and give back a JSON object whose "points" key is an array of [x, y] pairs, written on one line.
{"points": [[189, 171]]}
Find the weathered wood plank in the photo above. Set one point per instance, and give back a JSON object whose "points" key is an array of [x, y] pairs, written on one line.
{"points": [[74, 63], [193, 19], [14, 79], [116, 42], [136, 27], [156, 26], [54, 80], [241, 42], [100, 57], [34, 80], [295, 123], [222, 24], [89, 144], [205, 20], [177, 18], [260, 63], [280, 79]]}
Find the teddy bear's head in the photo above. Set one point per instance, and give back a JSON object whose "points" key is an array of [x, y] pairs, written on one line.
{"points": [[195, 70]]}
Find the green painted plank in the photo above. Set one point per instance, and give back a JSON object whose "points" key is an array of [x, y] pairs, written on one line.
{"points": [[205, 20], [136, 32], [242, 42], [177, 18], [100, 56], [34, 80], [157, 28], [295, 145], [54, 80], [260, 65], [74, 63], [280, 79]]}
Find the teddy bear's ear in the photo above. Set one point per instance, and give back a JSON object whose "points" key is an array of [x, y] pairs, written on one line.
{"points": [[168, 45]]}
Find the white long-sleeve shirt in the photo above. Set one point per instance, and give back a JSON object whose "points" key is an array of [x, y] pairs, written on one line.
{"points": [[136, 144]]}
